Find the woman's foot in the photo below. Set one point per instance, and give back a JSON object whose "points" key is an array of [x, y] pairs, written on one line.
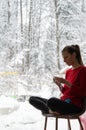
{"points": [[54, 113], [51, 112], [45, 112]]}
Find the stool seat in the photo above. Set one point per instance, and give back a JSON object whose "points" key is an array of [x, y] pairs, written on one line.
{"points": [[67, 116]]}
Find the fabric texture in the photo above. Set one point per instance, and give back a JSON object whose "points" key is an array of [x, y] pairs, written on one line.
{"points": [[53, 104], [77, 92]]}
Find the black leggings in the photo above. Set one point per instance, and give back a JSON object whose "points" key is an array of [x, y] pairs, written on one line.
{"points": [[54, 104]]}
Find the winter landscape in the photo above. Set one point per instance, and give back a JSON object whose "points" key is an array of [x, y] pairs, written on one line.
{"points": [[32, 35]]}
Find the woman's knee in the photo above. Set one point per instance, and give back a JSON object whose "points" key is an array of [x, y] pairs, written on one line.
{"points": [[31, 99], [52, 102], [52, 99]]}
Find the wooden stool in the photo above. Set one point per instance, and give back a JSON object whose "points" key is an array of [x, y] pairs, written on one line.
{"points": [[68, 117]]}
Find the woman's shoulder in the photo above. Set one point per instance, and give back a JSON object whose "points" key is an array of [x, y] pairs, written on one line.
{"points": [[80, 68], [68, 70], [82, 72], [83, 67]]}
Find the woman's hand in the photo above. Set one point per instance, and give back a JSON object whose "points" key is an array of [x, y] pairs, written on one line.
{"points": [[59, 80]]}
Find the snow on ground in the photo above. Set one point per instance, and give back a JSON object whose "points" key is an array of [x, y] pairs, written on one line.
{"points": [[15, 115]]}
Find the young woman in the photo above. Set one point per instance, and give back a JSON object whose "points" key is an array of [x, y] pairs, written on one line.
{"points": [[73, 87]]}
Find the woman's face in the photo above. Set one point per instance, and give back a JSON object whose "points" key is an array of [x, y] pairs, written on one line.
{"points": [[68, 58]]}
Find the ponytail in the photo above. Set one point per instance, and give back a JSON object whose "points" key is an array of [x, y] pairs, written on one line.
{"points": [[78, 54]]}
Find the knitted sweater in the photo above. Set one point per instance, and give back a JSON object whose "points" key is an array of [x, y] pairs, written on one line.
{"points": [[77, 92]]}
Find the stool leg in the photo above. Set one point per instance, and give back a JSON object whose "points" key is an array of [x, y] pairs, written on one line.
{"points": [[56, 123], [45, 125], [80, 124], [69, 126]]}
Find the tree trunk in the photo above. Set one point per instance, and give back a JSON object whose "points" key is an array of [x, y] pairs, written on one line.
{"points": [[57, 34], [9, 12]]}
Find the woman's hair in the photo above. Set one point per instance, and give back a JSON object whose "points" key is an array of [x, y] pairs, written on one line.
{"points": [[74, 49]]}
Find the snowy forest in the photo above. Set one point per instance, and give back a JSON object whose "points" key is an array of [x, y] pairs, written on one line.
{"points": [[32, 35]]}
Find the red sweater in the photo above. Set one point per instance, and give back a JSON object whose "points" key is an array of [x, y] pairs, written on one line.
{"points": [[78, 89]]}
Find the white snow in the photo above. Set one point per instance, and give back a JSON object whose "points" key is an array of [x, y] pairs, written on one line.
{"points": [[41, 68], [16, 115]]}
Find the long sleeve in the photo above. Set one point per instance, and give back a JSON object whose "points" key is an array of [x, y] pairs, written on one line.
{"points": [[77, 92], [79, 86]]}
